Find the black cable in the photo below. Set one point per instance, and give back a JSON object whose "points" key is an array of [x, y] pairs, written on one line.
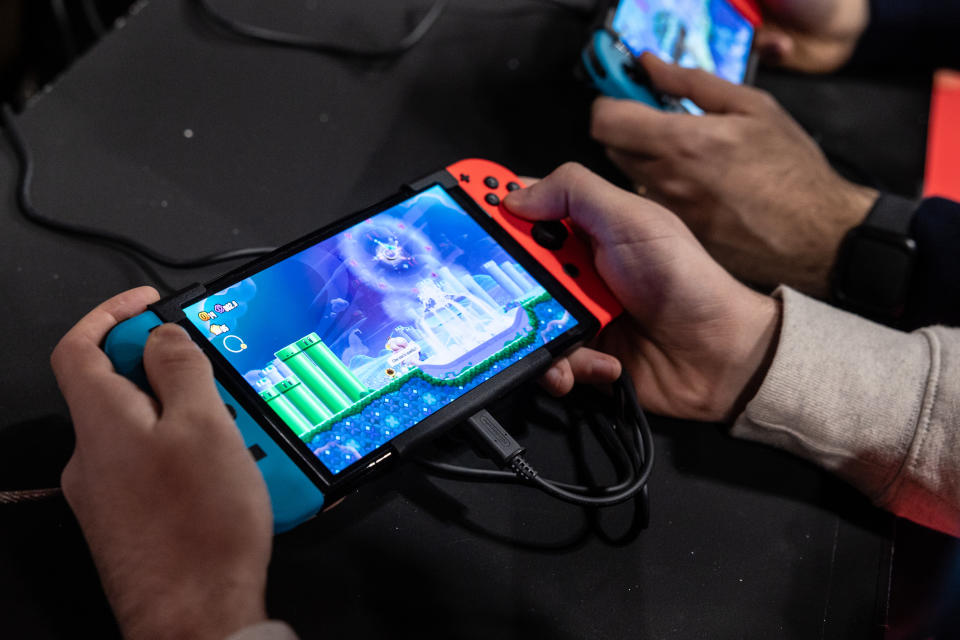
{"points": [[645, 440], [87, 233], [296, 41], [92, 15], [65, 25], [637, 443]]}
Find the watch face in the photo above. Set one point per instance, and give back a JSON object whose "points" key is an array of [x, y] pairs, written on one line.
{"points": [[875, 271]]}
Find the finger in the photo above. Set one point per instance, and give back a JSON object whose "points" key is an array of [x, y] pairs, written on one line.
{"points": [[78, 355], [710, 92], [558, 380], [528, 180], [633, 166], [607, 213], [181, 376], [589, 366], [638, 128]]}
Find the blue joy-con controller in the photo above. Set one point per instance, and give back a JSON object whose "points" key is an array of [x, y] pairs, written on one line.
{"points": [[611, 68], [293, 496]]}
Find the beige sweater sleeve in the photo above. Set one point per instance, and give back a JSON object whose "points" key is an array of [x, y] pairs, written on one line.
{"points": [[878, 407], [267, 630]]}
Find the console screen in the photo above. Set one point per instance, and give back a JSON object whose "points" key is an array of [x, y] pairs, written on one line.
{"points": [[704, 34], [363, 335]]}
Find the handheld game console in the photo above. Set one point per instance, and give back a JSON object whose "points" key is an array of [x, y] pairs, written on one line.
{"points": [[297, 490], [715, 35]]}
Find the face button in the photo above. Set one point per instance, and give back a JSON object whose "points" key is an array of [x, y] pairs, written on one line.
{"points": [[464, 177], [491, 182], [571, 269], [549, 234], [257, 453], [231, 411], [512, 186], [492, 199]]}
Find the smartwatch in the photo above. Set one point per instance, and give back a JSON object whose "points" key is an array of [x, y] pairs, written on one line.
{"points": [[876, 259]]}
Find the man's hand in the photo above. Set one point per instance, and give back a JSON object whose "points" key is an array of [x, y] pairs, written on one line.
{"points": [[173, 507], [815, 36], [695, 341], [750, 183]]}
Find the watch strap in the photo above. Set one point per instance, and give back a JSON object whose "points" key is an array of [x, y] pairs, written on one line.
{"points": [[874, 265], [893, 214]]}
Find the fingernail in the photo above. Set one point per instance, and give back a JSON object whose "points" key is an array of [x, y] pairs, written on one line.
{"points": [[606, 369], [515, 198], [175, 332], [553, 377]]}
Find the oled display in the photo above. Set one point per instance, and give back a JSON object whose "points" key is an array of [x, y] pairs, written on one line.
{"points": [[704, 34], [363, 335]]}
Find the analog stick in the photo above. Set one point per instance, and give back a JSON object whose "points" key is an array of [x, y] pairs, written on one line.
{"points": [[549, 234]]}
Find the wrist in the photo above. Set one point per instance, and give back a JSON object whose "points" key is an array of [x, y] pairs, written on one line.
{"points": [[757, 323], [847, 208]]}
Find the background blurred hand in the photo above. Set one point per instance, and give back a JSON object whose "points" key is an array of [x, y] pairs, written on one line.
{"points": [[750, 183], [815, 36], [695, 341], [170, 501]]}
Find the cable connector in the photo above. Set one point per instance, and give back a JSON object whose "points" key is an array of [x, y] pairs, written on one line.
{"points": [[523, 469], [497, 444]]}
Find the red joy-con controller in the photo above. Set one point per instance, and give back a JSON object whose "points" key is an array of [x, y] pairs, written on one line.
{"points": [[749, 9], [553, 244]]}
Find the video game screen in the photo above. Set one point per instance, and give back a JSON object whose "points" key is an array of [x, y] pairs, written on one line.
{"points": [[358, 338], [705, 34]]}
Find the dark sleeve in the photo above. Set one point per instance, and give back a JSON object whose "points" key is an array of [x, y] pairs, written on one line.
{"points": [[935, 287], [910, 34]]}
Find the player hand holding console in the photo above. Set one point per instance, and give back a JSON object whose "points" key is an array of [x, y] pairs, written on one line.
{"points": [[750, 183], [694, 339], [170, 502]]}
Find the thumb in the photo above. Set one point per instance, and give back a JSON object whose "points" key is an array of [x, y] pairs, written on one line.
{"points": [[180, 373], [609, 215], [606, 213], [710, 92]]}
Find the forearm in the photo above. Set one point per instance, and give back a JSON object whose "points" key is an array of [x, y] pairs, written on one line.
{"points": [[878, 407]]}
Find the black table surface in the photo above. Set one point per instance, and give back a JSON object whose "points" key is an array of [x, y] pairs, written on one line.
{"points": [[189, 140]]}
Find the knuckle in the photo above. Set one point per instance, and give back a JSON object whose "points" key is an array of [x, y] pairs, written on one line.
{"points": [[70, 480], [673, 188], [763, 100], [599, 120], [179, 356], [60, 356], [570, 170]]}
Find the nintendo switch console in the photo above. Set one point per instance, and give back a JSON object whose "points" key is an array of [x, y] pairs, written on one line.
{"points": [[714, 35], [339, 352]]}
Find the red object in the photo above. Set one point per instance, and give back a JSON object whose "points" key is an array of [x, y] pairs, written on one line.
{"points": [[571, 264], [749, 9], [942, 177]]}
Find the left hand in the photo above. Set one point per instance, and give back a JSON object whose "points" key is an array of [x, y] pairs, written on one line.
{"points": [[170, 501], [748, 181]]}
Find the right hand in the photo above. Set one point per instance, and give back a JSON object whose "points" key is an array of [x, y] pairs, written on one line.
{"points": [[814, 36], [695, 341], [752, 185]]}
